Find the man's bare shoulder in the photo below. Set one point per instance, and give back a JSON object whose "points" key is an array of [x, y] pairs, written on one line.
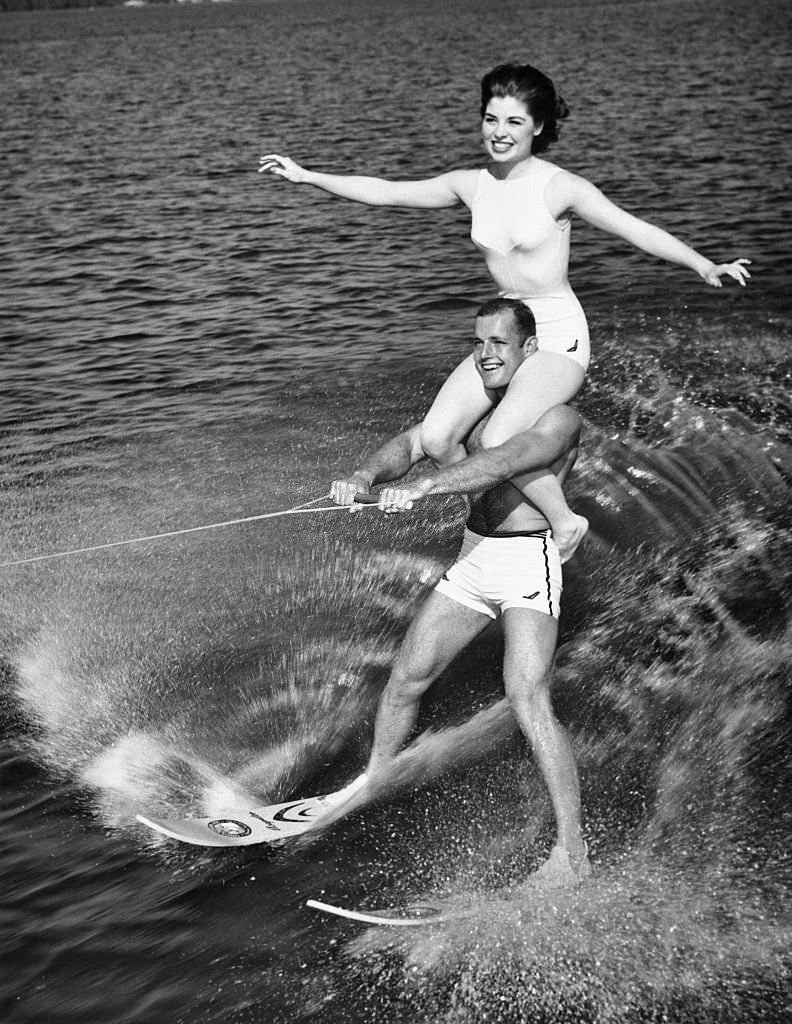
{"points": [[561, 418]]}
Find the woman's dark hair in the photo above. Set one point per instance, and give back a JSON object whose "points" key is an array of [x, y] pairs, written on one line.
{"points": [[535, 90]]}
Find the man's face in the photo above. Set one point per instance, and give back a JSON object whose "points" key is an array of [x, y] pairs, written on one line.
{"points": [[498, 349]]}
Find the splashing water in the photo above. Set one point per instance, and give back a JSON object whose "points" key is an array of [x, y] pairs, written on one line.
{"points": [[161, 716], [679, 715], [195, 692]]}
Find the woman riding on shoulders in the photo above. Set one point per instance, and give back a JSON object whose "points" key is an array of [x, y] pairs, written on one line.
{"points": [[522, 207]]}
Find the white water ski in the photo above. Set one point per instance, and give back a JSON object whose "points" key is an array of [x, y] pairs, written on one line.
{"points": [[246, 827], [409, 917]]}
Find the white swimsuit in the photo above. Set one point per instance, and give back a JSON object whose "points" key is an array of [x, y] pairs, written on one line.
{"points": [[527, 253]]}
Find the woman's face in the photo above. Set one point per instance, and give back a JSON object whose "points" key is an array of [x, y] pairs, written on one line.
{"points": [[508, 130]]}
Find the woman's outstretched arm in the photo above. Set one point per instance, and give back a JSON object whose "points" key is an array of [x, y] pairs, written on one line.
{"points": [[580, 196], [430, 193]]}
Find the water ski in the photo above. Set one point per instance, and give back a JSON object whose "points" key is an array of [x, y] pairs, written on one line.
{"points": [[243, 827], [414, 916], [256, 825]]}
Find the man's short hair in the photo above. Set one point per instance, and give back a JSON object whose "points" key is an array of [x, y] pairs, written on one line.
{"points": [[523, 317]]}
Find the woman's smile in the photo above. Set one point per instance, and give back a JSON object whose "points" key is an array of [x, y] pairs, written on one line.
{"points": [[507, 128]]}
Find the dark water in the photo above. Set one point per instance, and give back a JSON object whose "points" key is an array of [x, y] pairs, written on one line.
{"points": [[185, 343]]}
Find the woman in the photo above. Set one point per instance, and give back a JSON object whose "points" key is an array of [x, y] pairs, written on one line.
{"points": [[521, 208]]}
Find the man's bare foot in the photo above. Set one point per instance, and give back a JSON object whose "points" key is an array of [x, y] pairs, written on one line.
{"points": [[560, 871], [568, 534]]}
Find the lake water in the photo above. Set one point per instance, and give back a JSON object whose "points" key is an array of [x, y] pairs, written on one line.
{"points": [[186, 342]]}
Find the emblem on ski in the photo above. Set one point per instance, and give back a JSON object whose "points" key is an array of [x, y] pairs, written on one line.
{"points": [[269, 824]]}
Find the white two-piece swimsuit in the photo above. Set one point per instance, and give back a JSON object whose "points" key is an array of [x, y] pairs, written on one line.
{"points": [[527, 253]]}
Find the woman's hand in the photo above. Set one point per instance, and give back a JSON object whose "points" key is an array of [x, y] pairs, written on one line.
{"points": [[283, 167], [738, 269]]}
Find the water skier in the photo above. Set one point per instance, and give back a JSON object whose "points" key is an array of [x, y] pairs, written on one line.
{"points": [[508, 567], [522, 207]]}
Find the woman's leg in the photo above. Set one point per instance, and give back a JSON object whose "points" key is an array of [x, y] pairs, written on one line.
{"points": [[544, 380], [459, 405]]}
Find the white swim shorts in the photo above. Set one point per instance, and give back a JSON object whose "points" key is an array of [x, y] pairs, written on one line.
{"points": [[492, 574]]}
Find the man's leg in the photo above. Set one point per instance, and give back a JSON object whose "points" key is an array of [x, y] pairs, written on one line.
{"points": [[530, 641], [441, 629]]}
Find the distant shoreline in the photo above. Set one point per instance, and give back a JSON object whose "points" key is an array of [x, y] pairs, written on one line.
{"points": [[31, 6]]}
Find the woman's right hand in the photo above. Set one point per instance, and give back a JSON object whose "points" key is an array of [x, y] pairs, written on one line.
{"points": [[283, 167]]}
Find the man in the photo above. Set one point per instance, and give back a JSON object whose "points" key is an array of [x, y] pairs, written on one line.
{"points": [[508, 567]]}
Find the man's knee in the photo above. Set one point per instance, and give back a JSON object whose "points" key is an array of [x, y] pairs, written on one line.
{"points": [[527, 688]]}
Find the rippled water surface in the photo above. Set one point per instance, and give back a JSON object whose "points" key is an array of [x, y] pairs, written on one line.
{"points": [[187, 343]]}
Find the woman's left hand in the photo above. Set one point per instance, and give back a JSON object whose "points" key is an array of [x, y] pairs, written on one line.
{"points": [[738, 269]]}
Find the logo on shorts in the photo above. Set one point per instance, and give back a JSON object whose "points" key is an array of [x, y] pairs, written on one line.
{"points": [[533, 596], [574, 347]]}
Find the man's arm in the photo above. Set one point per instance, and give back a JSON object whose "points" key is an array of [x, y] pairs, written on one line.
{"points": [[389, 462], [555, 434]]}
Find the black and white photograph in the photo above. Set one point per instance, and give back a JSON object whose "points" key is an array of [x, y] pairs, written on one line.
{"points": [[395, 463]]}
